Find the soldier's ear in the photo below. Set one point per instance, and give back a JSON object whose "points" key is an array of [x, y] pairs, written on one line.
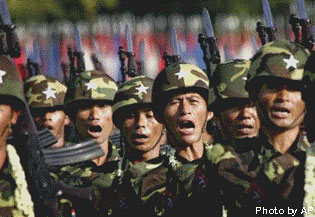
{"points": [[210, 115], [15, 116], [67, 120]]}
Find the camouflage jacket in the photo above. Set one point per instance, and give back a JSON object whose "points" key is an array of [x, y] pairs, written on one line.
{"points": [[85, 175], [122, 199], [183, 188], [9, 205], [260, 176]]}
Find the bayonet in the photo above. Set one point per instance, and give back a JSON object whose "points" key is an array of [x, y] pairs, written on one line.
{"points": [[33, 61], [122, 58], [208, 44], [131, 70], [97, 64], [9, 43], [76, 55], [269, 26], [170, 59], [141, 57]]}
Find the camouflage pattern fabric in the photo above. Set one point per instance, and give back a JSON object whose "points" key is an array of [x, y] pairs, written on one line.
{"points": [[230, 78], [124, 199], [91, 85], [178, 77], [183, 188], [262, 177], [282, 59], [86, 175], [8, 203], [10, 82], [42, 91], [136, 91]]}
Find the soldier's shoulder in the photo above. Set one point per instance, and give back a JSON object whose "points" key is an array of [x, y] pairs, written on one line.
{"points": [[219, 151]]}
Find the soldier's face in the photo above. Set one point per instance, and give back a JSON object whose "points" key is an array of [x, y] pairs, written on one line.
{"points": [[281, 104], [94, 121], [185, 118], [141, 130], [239, 119], [54, 120], [8, 117]]}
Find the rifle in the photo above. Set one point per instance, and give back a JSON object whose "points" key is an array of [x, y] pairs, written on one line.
{"points": [[76, 57], [208, 44], [33, 61], [175, 58], [9, 44], [141, 57], [97, 64], [131, 69], [306, 26], [268, 30], [131, 72]]}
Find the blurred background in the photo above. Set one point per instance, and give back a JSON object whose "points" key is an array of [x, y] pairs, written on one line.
{"points": [[101, 24]]}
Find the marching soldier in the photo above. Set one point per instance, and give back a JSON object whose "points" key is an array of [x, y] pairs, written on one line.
{"points": [[89, 102], [271, 174], [236, 115], [133, 115], [15, 197], [185, 184], [45, 97], [142, 135], [277, 83]]}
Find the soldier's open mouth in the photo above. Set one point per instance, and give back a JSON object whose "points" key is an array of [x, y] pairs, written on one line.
{"points": [[139, 136], [243, 126], [186, 124], [49, 127], [95, 129]]}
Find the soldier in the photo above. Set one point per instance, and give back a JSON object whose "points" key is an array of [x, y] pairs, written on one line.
{"points": [[142, 135], [237, 117], [89, 102], [271, 174], [133, 115], [277, 85], [45, 97], [15, 197], [185, 184]]}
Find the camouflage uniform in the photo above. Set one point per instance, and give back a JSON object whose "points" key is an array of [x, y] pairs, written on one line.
{"points": [[91, 86], [180, 187], [15, 198], [271, 179], [123, 199]]}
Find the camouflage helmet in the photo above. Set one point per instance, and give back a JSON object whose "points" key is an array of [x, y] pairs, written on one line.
{"points": [[134, 92], [44, 92], [10, 83], [281, 59], [91, 85], [175, 78], [230, 79]]}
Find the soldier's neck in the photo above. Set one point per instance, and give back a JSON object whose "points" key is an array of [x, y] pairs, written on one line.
{"points": [[59, 144], [282, 140], [102, 159], [191, 152], [136, 156], [3, 155]]}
